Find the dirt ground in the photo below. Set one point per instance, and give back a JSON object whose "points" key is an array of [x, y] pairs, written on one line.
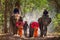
{"points": [[11, 37]]}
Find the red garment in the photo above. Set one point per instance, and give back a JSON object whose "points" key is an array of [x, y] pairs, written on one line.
{"points": [[20, 31], [19, 23], [34, 24], [35, 32]]}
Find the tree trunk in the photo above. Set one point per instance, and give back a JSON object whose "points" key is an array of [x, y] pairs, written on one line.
{"points": [[10, 14], [5, 16], [0, 5]]}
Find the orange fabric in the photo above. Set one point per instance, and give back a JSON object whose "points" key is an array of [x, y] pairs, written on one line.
{"points": [[20, 31], [35, 32]]}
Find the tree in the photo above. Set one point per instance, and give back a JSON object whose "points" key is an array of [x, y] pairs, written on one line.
{"points": [[11, 6], [5, 16], [0, 5]]}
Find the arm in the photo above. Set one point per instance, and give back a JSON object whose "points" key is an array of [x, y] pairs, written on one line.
{"points": [[50, 20], [39, 20]]}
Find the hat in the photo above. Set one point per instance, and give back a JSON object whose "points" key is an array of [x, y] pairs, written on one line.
{"points": [[16, 11]]}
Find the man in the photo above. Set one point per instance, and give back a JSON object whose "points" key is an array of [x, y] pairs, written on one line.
{"points": [[44, 21], [13, 19]]}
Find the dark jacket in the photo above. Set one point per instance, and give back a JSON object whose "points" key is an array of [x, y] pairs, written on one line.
{"points": [[44, 20], [25, 26]]}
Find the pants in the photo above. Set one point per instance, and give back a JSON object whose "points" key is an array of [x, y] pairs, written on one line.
{"points": [[31, 31], [25, 32], [43, 30]]}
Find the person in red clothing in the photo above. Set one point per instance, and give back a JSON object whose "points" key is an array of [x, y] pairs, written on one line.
{"points": [[34, 29], [35, 25], [20, 28], [31, 30], [19, 25]]}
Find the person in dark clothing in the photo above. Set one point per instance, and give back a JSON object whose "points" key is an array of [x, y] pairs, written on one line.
{"points": [[25, 28], [13, 19], [44, 21]]}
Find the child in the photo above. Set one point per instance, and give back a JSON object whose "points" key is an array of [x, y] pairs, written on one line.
{"points": [[35, 25], [20, 28], [25, 28]]}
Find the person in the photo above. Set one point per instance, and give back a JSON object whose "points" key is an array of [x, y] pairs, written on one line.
{"points": [[19, 24], [13, 21], [44, 21], [34, 29], [35, 25], [15, 18], [31, 31], [25, 28]]}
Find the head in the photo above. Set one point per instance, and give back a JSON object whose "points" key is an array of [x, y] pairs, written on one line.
{"points": [[25, 21], [45, 12], [16, 11]]}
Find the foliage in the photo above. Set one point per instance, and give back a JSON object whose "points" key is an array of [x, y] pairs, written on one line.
{"points": [[56, 22], [29, 5]]}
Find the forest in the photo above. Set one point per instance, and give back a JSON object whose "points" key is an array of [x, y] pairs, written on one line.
{"points": [[30, 8]]}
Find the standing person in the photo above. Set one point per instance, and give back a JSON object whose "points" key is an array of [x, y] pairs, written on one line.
{"points": [[25, 28], [13, 21], [31, 31], [44, 21], [19, 24], [35, 25]]}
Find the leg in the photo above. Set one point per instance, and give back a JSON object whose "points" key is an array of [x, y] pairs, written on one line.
{"points": [[31, 32], [35, 33], [25, 33], [15, 30], [41, 31], [20, 32], [41, 34], [45, 31]]}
